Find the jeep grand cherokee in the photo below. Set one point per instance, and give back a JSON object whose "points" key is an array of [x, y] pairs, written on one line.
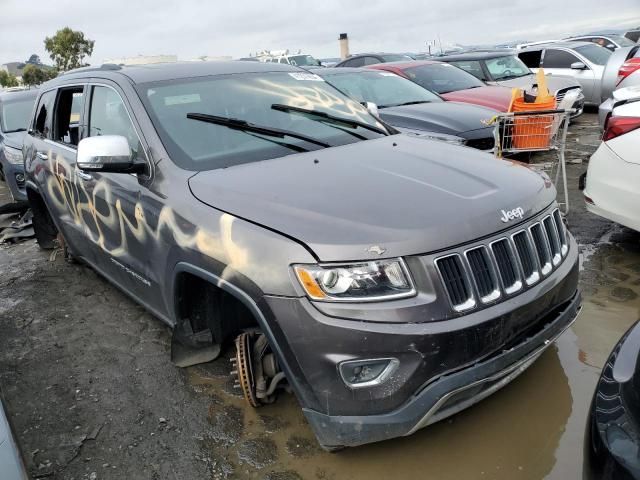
{"points": [[387, 281]]}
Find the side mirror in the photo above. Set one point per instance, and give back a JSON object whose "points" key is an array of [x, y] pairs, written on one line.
{"points": [[372, 108], [107, 153], [578, 66]]}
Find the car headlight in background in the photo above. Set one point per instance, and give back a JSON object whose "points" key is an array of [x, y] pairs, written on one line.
{"points": [[364, 281], [13, 155]]}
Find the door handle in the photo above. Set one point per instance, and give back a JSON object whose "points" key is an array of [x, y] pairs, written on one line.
{"points": [[42, 156], [84, 176]]}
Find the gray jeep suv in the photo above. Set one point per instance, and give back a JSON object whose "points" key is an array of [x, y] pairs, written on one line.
{"points": [[387, 281]]}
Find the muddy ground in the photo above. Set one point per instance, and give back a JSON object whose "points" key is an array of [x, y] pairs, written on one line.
{"points": [[92, 394]]}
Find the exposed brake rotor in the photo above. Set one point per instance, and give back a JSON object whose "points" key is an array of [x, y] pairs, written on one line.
{"points": [[256, 369], [244, 370]]}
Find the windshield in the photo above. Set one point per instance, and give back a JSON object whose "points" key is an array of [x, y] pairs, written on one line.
{"points": [[198, 145], [621, 41], [442, 78], [303, 61], [594, 53], [396, 57], [385, 89], [16, 114], [504, 68]]}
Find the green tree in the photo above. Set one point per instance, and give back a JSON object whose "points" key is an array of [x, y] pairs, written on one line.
{"points": [[32, 75], [68, 48], [8, 79]]}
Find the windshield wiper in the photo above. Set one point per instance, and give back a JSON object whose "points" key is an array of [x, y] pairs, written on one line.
{"points": [[16, 130], [416, 102], [327, 116], [243, 125]]}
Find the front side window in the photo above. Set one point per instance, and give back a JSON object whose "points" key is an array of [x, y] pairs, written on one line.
{"points": [[15, 114], [559, 58], [385, 89], [471, 66], [394, 57], [593, 53], [504, 68], [531, 59], [201, 145], [66, 123], [44, 114], [355, 62], [371, 60], [108, 116], [442, 78]]}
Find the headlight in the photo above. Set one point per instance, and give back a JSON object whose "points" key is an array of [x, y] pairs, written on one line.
{"points": [[443, 137], [365, 281], [13, 155]]}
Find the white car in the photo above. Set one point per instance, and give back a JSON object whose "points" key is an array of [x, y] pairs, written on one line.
{"points": [[612, 185]]}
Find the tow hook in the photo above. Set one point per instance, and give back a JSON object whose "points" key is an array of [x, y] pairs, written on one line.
{"points": [[255, 369]]}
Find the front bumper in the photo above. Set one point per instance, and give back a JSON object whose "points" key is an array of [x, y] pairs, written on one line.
{"points": [[447, 395], [14, 176], [445, 364]]}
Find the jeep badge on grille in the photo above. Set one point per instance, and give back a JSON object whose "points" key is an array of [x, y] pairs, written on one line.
{"points": [[511, 214]]}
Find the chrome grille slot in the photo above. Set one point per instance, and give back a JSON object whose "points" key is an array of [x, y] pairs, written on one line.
{"points": [[506, 263], [483, 274], [526, 257], [542, 248], [456, 282], [561, 232], [554, 239]]}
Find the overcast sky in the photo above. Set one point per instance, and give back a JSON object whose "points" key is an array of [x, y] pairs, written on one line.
{"points": [[191, 28]]}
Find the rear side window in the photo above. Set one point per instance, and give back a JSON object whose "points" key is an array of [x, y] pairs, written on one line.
{"points": [[558, 59], [531, 59], [44, 114], [355, 62], [66, 123], [371, 60], [108, 116]]}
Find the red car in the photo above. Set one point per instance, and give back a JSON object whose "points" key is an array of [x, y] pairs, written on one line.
{"points": [[452, 83]]}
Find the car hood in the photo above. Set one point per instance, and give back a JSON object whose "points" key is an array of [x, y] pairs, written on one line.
{"points": [[554, 82], [452, 118], [14, 139], [490, 96], [405, 195]]}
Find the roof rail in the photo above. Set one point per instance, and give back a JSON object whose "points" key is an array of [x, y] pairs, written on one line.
{"points": [[91, 68]]}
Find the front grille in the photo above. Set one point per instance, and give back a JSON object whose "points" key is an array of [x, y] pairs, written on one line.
{"points": [[485, 273], [481, 143]]}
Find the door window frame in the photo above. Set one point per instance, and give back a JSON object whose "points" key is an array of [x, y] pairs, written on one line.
{"points": [[144, 153]]}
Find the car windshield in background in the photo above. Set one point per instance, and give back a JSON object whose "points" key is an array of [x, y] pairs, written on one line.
{"points": [[594, 53], [622, 41], [15, 115], [303, 61], [385, 89], [394, 57], [202, 145], [504, 68], [442, 78]]}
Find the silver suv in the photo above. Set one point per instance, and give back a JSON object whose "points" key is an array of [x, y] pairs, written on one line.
{"points": [[584, 61]]}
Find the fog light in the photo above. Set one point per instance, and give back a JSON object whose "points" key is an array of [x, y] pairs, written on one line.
{"points": [[367, 373], [19, 177]]}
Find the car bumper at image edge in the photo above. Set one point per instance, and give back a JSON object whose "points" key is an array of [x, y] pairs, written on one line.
{"points": [[445, 396]]}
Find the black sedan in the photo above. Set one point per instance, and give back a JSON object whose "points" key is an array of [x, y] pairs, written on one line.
{"points": [[414, 110], [614, 425]]}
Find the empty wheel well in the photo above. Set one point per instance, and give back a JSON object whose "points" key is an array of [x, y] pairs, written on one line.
{"points": [[205, 305], [43, 226]]}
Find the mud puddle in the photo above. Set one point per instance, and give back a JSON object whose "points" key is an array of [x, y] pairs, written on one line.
{"points": [[532, 429]]}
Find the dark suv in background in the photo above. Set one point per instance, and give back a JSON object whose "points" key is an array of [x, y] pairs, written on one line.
{"points": [[390, 281], [15, 113]]}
